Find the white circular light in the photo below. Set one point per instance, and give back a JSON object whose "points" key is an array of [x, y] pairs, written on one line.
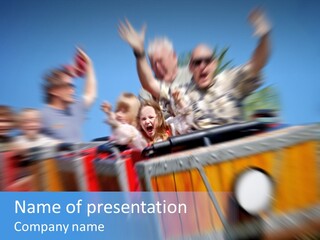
{"points": [[253, 191]]}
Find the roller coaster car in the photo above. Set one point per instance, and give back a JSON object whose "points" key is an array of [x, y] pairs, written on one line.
{"points": [[240, 181], [271, 181]]}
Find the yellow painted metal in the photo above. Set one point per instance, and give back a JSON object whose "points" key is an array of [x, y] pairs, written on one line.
{"points": [[293, 170]]}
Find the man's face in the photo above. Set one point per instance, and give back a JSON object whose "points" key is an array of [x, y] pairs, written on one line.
{"points": [[164, 64], [65, 90], [203, 66]]}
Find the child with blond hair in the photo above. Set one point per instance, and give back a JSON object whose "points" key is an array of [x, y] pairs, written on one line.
{"points": [[29, 122], [123, 121]]}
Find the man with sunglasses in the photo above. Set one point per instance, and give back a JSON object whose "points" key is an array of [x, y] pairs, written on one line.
{"points": [[63, 115], [215, 99]]}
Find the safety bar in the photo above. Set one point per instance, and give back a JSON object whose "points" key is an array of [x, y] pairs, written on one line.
{"points": [[202, 137]]}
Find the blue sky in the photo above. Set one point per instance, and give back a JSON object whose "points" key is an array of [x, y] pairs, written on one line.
{"points": [[39, 35]]}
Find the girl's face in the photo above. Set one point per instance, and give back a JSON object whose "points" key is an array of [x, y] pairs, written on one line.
{"points": [[148, 121], [123, 114]]}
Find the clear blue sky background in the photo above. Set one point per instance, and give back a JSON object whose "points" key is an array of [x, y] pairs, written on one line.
{"points": [[38, 35]]}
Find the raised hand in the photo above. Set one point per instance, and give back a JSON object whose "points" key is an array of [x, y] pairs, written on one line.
{"points": [[259, 22], [131, 36], [106, 107], [178, 99], [111, 116], [83, 55]]}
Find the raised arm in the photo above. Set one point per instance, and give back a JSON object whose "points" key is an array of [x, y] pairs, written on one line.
{"points": [[90, 89], [262, 29], [111, 116], [136, 42], [123, 134]]}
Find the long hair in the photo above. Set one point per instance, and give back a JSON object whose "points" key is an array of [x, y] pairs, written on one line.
{"points": [[132, 103], [163, 129]]}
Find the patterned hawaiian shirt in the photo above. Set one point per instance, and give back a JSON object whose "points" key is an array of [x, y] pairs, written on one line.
{"points": [[220, 103]]}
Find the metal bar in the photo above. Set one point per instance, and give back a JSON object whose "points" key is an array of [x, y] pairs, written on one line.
{"points": [[214, 200]]}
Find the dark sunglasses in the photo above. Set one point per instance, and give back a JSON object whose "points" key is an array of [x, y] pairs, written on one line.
{"points": [[206, 60]]}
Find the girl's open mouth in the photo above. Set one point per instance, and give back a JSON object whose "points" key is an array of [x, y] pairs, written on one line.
{"points": [[149, 129]]}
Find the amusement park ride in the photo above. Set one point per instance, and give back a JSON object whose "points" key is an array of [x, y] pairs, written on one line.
{"points": [[268, 174]]}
